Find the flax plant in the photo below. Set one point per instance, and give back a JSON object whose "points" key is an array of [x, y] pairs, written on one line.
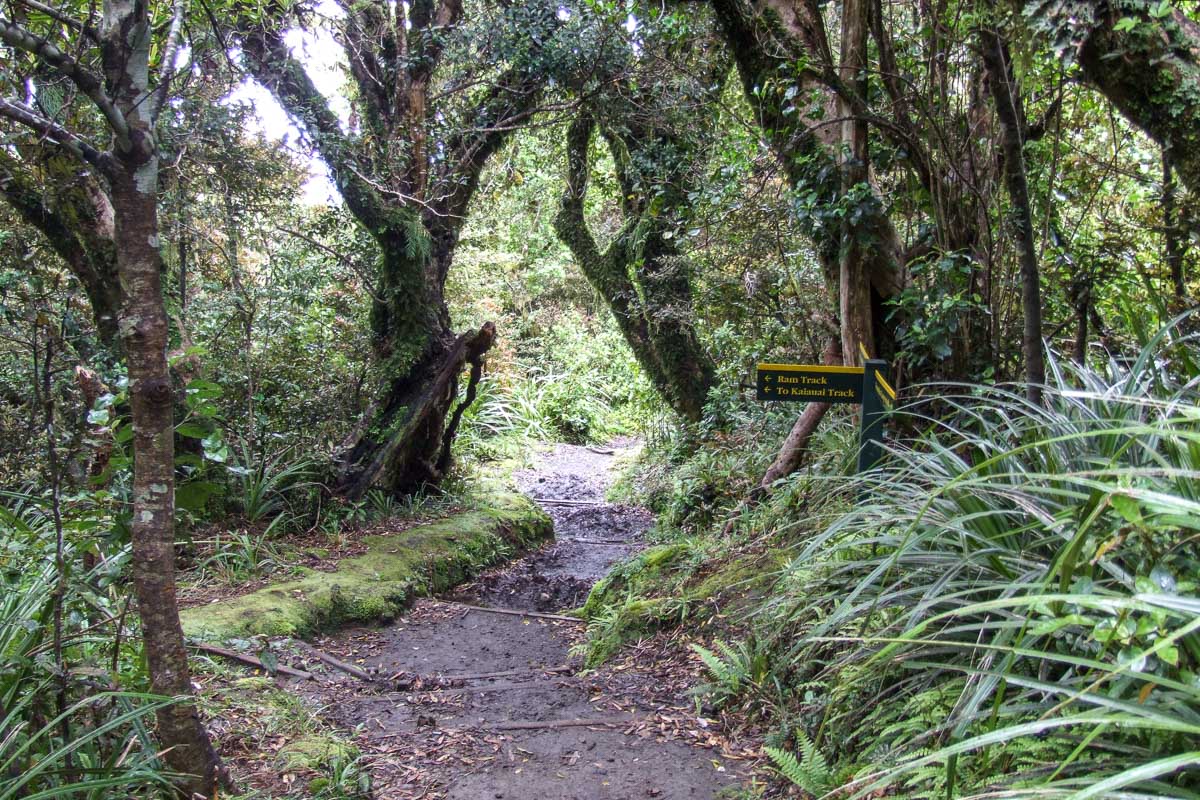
{"points": [[1011, 609]]}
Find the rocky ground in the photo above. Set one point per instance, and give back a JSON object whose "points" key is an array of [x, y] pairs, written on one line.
{"points": [[470, 703]]}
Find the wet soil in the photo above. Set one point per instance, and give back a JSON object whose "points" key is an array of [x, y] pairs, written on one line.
{"points": [[472, 704]]}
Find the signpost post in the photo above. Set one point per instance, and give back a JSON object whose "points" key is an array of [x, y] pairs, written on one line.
{"points": [[867, 386]]}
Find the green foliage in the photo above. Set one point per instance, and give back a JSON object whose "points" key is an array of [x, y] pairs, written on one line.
{"points": [[741, 668], [932, 309], [1009, 601], [1043, 553], [810, 772], [61, 734], [271, 487], [238, 556]]}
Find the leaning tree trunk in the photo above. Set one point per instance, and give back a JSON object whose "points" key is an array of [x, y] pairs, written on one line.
{"points": [[1011, 112], [656, 316], [143, 326], [670, 312], [403, 442]]}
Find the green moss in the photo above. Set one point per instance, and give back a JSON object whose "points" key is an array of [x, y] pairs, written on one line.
{"points": [[632, 620], [379, 584], [663, 587], [315, 752], [738, 581], [265, 713], [649, 573]]}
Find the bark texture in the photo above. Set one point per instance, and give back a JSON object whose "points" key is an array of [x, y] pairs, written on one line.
{"points": [[408, 177], [1013, 125], [854, 288], [641, 274], [126, 34]]}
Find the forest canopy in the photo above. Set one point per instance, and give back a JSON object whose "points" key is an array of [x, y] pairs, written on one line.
{"points": [[282, 270]]}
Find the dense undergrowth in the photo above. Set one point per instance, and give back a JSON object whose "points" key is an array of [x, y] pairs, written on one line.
{"points": [[74, 717], [1006, 607]]}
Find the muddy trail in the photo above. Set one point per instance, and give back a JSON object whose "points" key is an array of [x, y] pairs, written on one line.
{"points": [[474, 704]]}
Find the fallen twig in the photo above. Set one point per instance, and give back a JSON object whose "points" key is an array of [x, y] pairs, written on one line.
{"points": [[488, 687], [602, 451], [556, 502], [251, 661], [557, 723], [514, 612], [480, 676], [622, 542], [336, 663]]}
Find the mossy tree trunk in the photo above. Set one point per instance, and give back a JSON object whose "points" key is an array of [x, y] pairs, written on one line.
{"points": [[65, 203], [400, 443], [1150, 71], [642, 274], [408, 177]]}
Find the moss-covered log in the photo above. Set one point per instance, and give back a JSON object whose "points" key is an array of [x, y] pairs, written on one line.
{"points": [[379, 585]]}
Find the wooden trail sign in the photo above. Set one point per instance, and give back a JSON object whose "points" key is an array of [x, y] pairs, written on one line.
{"points": [[816, 383], [809, 383]]}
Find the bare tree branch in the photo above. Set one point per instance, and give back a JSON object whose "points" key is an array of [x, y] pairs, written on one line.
{"points": [[170, 55], [273, 65], [511, 100], [66, 19], [362, 33]]}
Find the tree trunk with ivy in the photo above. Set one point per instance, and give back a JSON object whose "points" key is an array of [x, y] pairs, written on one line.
{"points": [[419, 359], [769, 42], [408, 178]]}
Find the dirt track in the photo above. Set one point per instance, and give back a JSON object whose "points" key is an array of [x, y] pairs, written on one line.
{"points": [[474, 704]]}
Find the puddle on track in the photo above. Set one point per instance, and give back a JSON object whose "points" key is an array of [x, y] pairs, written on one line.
{"points": [[511, 726]]}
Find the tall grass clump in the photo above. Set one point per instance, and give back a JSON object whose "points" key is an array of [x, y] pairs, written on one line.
{"points": [[1010, 609]]}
